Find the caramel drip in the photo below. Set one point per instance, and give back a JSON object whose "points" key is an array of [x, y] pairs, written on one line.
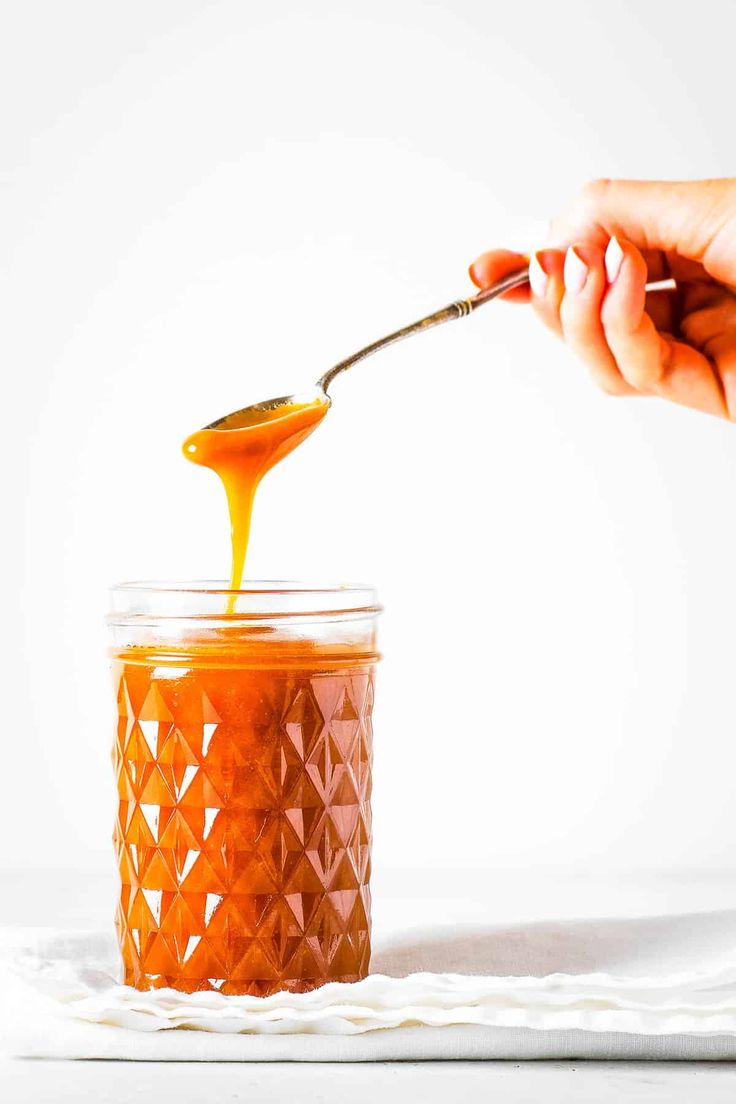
{"points": [[242, 450]]}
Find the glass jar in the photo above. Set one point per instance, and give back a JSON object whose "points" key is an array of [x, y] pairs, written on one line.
{"points": [[243, 763]]}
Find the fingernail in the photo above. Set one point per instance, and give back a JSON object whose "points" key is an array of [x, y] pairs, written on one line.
{"points": [[575, 272], [613, 259], [538, 278]]}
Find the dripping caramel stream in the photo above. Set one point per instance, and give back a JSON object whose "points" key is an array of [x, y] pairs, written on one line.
{"points": [[241, 450]]}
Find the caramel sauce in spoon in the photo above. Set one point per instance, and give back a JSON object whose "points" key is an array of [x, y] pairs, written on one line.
{"points": [[242, 448]]}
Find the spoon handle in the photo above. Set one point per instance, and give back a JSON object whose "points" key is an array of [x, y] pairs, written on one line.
{"points": [[459, 309]]}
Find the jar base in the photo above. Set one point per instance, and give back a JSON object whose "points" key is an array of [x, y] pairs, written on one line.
{"points": [[254, 988]]}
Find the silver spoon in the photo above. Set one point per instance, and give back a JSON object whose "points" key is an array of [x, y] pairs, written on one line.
{"points": [[458, 309]]}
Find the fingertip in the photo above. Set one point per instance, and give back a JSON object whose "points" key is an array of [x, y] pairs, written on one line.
{"points": [[491, 266], [583, 273], [538, 278], [613, 259], [474, 272], [575, 271], [626, 278], [545, 278], [482, 270], [622, 257]]}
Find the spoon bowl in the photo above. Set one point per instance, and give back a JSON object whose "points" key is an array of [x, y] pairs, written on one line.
{"points": [[269, 409]]}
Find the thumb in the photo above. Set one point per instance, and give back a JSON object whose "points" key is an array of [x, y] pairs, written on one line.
{"points": [[695, 219]]}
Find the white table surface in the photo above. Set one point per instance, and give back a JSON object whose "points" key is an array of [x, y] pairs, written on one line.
{"points": [[84, 900]]}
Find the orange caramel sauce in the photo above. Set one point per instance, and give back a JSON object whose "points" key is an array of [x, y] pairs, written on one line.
{"points": [[244, 824], [241, 450]]}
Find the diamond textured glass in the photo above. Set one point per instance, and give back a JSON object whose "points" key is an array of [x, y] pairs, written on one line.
{"points": [[243, 765]]}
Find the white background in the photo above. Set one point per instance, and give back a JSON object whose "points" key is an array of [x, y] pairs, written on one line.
{"points": [[204, 204]]}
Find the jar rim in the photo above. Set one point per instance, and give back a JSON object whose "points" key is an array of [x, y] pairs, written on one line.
{"points": [[255, 586], [260, 599]]}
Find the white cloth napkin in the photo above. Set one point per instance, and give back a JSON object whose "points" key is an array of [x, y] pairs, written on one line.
{"points": [[645, 988]]}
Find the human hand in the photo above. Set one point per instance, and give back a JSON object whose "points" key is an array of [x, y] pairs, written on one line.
{"points": [[677, 343]]}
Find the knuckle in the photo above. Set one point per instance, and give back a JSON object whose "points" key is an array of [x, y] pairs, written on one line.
{"points": [[614, 389], [604, 373], [583, 338], [709, 329], [580, 321], [594, 191], [642, 377], [580, 219], [695, 325], [548, 316]]}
